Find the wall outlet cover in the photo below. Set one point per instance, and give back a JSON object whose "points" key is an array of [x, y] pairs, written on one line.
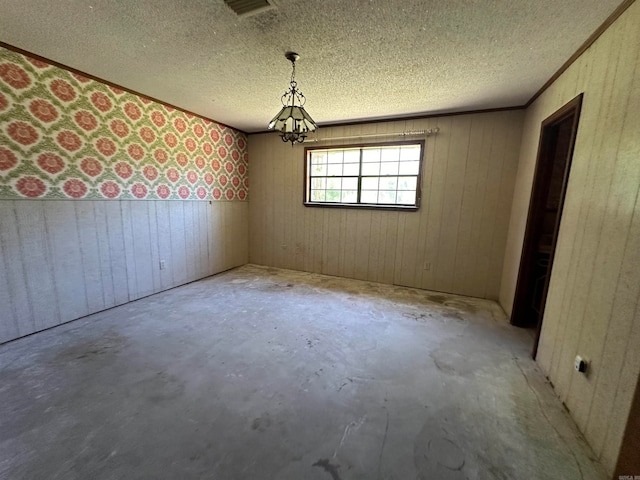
{"points": [[580, 364]]}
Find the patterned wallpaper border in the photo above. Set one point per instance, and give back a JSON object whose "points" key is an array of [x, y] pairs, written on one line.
{"points": [[65, 136]]}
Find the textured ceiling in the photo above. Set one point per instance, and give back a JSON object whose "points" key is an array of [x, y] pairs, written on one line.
{"points": [[360, 59]]}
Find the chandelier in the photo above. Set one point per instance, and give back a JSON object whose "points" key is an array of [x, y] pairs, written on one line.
{"points": [[292, 121]]}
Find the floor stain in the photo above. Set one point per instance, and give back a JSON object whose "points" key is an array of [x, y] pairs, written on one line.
{"points": [[345, 384], [437, 298], [460, 305], [443, 367], [328, 467], [159, 388], [109, 343], [447, 453], [442, 446], [455, 315], [273, 287], [417, 316], [261, 423]]}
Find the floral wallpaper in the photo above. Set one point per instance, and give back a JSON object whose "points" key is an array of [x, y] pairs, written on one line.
{"points": [[65, 136]]}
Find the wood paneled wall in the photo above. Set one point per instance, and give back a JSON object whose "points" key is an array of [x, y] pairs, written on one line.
{"points": [[593, 305], [61, 260], [460, 229]]}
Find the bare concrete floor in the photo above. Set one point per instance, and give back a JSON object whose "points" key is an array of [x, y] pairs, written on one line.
{"points": [[270, 374]]}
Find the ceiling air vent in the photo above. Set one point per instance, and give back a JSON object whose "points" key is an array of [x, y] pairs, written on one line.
{"points": [[244, 8]]}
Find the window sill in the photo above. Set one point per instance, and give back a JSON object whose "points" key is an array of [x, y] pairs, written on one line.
{"points": [[364, 206]]}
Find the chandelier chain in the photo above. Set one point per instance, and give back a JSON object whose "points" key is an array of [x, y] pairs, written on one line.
{"points": [[292, 94]]}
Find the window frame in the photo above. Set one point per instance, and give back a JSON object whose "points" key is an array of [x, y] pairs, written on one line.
{"points": [[306, 191]]}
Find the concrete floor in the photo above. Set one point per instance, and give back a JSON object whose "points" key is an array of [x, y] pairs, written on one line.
{"points": [[266, 374]]}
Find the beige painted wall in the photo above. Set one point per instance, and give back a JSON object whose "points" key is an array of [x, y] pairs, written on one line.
{"points": [[460, 229], [63, 259], [593, 306]]}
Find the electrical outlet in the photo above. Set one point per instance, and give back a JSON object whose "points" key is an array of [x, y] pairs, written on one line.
{"points": [[427, 265], [580, 364], [162, 265]]}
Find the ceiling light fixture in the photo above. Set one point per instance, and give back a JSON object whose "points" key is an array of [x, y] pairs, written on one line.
{"points": [[292, 121]]}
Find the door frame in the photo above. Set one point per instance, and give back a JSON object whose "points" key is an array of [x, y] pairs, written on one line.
{"points": [[539, 190]]}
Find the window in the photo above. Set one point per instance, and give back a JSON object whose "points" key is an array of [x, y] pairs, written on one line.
{"points": [[373, 176]]}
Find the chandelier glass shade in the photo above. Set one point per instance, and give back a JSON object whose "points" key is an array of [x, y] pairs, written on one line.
{"points": [[292, 121]]}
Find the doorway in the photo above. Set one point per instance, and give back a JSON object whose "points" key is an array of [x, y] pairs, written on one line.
{"points": [[555, 151]]}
